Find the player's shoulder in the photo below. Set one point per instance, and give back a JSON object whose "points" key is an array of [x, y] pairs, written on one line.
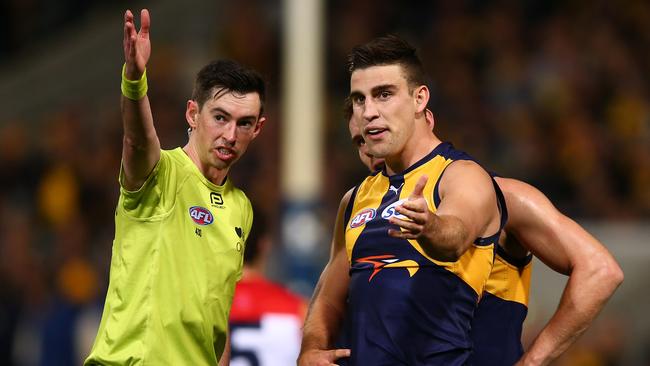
{"points": [[347, 196], [461, 173], [515, 189], [466, 167]]}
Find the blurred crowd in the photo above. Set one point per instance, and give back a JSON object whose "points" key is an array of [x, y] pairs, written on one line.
{"points": [[554, 93]]}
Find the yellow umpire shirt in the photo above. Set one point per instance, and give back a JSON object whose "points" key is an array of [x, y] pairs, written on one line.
{"points": [[177, 254]]}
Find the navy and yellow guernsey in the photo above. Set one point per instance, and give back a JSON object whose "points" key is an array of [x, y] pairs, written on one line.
{"points": [[407, 308], [498, 321]]}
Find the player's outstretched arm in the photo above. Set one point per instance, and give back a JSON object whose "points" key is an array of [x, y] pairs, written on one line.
{"points": [[327, 307], [141, 148], [566, 247], [467, 210]]}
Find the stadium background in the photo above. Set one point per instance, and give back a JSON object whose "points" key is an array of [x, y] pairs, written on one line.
{"points": [[551, 92]]}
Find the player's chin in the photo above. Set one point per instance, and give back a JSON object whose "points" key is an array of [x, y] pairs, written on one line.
{"points": [[380, 151]]}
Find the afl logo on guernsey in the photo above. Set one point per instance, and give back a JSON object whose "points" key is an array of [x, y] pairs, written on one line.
{"points": [[200, 215], [390, 210], [362, 217]]}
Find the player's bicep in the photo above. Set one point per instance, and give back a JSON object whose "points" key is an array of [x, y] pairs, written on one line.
{"points": [[537, 224], [467, 193]]}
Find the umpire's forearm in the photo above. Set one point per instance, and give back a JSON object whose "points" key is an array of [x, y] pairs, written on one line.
{"points": [[137, 120], [141, 147]]}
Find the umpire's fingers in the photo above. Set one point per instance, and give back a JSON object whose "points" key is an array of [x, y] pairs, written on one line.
{"points": [[145, 23], [129, 28]]}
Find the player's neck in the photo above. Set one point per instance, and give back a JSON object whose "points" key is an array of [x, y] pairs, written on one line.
{"points": [[417, 148]]}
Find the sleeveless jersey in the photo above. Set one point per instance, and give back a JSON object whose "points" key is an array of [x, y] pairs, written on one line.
{"points": [[177, 253], [499, 318], [406, 308], [265, 324]]}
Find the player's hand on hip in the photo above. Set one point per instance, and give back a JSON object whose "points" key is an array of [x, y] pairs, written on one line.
{"points": [[137, 47], [415, 217], [318, 357]]}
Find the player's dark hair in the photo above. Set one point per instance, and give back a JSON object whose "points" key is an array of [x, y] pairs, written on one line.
{"points": [[227, 76], [258, 230], [388, 50]]}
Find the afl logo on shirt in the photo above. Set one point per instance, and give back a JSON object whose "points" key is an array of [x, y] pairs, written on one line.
{"points": [[362, 217], [390, 210], [200, 215]]}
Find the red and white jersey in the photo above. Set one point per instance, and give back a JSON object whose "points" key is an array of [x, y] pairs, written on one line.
{"points": [[265, 324]]}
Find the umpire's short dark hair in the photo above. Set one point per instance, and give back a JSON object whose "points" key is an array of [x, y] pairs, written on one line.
{"points": [[227, 76], [388, 50]]}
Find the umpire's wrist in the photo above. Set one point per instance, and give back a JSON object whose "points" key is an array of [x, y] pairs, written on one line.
{"points": [[134, 89]]}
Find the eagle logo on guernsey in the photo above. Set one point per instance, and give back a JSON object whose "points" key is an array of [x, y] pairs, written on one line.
{"points": [[201, 215], [380, 262], [362, 217]]}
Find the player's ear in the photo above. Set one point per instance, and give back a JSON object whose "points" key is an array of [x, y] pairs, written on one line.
{"points": [[428, 115], [191, 113], [421, 98]]}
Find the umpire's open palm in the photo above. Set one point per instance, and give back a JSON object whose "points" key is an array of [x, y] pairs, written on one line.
{"points": [[419, 220], [137, 47]]}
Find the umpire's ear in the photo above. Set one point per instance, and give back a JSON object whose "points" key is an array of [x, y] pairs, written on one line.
{"points": [[258, 126], [191, 113]]}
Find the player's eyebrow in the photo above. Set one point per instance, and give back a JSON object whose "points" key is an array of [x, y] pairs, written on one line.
{"points": [[380, 88], [374, 91]]}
